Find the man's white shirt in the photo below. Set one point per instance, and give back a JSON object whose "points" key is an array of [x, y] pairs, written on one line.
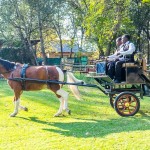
{"points": [[130, 48], [127, 49]]}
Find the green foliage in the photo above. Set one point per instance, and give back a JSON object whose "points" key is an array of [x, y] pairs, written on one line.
{"points": [[82, 21], [140, 16], [15, 55], [104, 20], [146, 1]]}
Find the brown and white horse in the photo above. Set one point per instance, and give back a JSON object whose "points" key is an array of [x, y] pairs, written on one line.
{"points": [[12, 70]]}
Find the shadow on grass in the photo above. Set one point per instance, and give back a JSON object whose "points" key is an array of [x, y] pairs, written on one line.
{"points": [[86, 128], [145, 113], [48, 98]]}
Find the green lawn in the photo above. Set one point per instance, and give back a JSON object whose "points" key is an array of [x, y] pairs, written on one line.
{"points": [[93, 125]]}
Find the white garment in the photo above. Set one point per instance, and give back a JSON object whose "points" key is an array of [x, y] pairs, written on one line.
{"points": [[115, 56], [112, 57], [127, 49]]}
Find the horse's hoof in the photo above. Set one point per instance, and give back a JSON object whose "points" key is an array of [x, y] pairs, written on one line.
{"points": [[13, 115], [57, 115], [69, 112], [25, 109]]}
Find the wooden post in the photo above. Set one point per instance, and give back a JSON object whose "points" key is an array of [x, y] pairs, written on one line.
{"points": [[144, 66]]}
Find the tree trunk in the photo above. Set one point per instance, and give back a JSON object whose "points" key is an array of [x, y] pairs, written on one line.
{"points": [[26, 32], [41, 37], [119, 10], [26, 47], [101, 52], [72, 44], [139, 41], [71, 52], [82, 36], [146, 30], [148, 53], [32, 50], [109, 47], [61, 46]]}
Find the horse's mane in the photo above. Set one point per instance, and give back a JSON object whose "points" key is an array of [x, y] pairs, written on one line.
{"points": [[7, 64]]}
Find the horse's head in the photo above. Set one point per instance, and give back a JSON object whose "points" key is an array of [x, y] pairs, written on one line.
{"points": [[6, 66]]}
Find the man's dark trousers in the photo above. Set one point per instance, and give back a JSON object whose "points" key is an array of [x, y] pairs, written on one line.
{"points": [[119, 71], [111, 69]]}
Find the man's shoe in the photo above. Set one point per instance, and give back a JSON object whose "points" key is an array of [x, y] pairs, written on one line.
{"points": [[117, 81]]}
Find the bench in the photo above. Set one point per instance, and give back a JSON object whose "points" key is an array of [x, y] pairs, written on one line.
{"points": [[129, 65], [133, 70]]}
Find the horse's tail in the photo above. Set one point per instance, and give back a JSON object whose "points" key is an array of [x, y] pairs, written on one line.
{"points": [[74, 89]]}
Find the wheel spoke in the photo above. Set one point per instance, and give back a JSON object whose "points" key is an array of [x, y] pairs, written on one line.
{"points": [[132, 106], [132, 101], [129, 110], [123, 109]]}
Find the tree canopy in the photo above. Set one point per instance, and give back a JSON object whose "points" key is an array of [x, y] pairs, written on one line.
{"points": [[90, 24]]}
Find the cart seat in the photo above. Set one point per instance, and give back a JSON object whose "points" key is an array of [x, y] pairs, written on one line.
{"points": [[129, 65], [132, 71]]}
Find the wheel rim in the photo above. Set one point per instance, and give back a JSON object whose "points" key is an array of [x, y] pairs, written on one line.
{"points": [[127, 104]]}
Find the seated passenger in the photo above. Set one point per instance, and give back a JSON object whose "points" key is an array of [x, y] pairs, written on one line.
{"points": [[125, 55], [113, 58]]}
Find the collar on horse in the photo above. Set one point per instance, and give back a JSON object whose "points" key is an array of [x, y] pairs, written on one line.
{"points": [[23, 70]]}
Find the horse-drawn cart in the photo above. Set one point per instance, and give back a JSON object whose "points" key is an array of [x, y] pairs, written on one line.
{"points": [[124, 97]]}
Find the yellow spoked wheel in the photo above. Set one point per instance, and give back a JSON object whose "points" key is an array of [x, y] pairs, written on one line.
{"points": [[127, 104]]}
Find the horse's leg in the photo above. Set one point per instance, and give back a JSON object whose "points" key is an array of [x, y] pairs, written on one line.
{"points": [[63, 102], [60, 107], [65, 97], [16, 103]]}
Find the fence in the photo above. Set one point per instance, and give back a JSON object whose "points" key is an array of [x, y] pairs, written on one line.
{"points": [[53, 61], [78, 64]]}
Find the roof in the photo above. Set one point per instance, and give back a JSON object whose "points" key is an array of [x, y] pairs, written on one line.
{"points": [[66, 48]]}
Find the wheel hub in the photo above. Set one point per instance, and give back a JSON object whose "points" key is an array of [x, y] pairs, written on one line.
{"points": [[127, 104]]}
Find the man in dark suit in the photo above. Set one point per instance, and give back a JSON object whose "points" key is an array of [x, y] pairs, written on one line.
{"points": [[125, 55]]}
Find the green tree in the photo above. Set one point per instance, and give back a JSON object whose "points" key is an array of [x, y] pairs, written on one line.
{"points": [[17, 17], [140, 16]]}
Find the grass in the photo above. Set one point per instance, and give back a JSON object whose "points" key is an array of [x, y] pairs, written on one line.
{"points": [[93, 125]]}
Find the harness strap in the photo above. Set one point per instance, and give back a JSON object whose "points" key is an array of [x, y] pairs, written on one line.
{"points": [[23, 70], [47, 72], [23, 75]]}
